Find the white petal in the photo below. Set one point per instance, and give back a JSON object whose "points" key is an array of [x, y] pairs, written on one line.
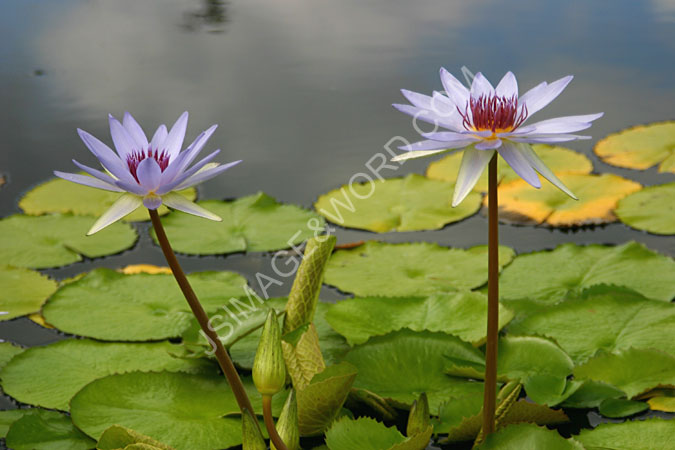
{"points": [[540, 167], [174, 141], [158, 139], [177, 201], [488, 144], [124, 143], [454, 89], [473, 164], [417, 99], [418, 154], [438, 145], [207, 174], [184, 158], [188, 173], [568, 124], [432, 117], [508, 86], [481, 86], [149, 174], [87, 181], [124, 205], [515, 158], [547, 138], [109, 160], [135, 131], [106, 178], [543, 94]]}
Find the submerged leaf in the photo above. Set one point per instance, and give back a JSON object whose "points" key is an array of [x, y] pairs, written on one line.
{"points": [[652, 209], [23, 291]]}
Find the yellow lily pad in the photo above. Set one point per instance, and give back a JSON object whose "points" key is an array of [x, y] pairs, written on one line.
{"points": [[134, 269], [598, 196], [559, 159], [640, 147], [665, 402]]}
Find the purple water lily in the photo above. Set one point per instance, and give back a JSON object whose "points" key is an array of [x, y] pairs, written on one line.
{"points": [[147, 172], [487, 119]]}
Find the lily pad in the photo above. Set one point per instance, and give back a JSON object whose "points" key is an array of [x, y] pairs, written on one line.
{"points": [[601, 320], [522, 436], [23, 291], [591, 394], [621, 407], [49, 376], [8, 417], [414, 359], [663, 402], [46, 430], [256, 223], [117, 437], [634, 371], [650, 209], [56, 240], [108, 305], [598, 196], [7, 352], [649, 434], [560, 160], [640, 147], [365, 433], [462, 314], [377, 268], [61, 196], [397, 204], [551, 276]]}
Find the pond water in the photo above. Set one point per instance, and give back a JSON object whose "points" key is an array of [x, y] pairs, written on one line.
{"points": [[302, 93]]}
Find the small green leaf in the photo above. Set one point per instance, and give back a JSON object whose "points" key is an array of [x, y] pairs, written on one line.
{"points": [[649, 434], [527, 436], [368, 434], [590, 394], [117, 437], [46, 430], [8, 417], [56, 240], [7, 352], [23, 291], [620, 407], [256, 223], [650, 209], [416, 269]]}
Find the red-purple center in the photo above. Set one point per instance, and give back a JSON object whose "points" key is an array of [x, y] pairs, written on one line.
{"points": [[493, 113], [135, 158]]}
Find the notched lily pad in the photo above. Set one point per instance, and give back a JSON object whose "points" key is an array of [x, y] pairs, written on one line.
{"points": [[46, 430], [652, 209], [256, 223], [411, 203], [598, 196], [365, 433], [7, 352], [58, 239], [640, 147], [560, 160], [646, 434], [61, 196], [377, 268], [521, 436], [23, 291]]}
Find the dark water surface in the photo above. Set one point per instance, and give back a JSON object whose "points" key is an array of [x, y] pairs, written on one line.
{"points": [[302, 91]]}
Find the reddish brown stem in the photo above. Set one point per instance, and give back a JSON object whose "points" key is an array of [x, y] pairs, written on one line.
{"points": [[269, 423], [490, 393]]}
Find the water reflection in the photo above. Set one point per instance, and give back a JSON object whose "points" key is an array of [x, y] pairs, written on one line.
{"points": [[212, 16]]}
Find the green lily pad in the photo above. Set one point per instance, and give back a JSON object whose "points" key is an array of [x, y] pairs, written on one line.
{"points": [[23, 291], [527, 436], [46, 430], [602, 320], [182, 410], [640, 147], [560, 160], [49, 376], [591, 394], [256, 223], [649, 434], [621, 407], [117, 437], [634, 371], [397, 204], [61, 196], [8, 417], [7, 352], [461, 313], [56, 240], [108, 305], [414, 359], [650, 209], [365, 433], [382, 269], [551, 276]]}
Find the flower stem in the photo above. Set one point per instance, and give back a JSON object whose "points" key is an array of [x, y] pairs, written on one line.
{"points": [[269, 423], [221, 354], [490, 392]]}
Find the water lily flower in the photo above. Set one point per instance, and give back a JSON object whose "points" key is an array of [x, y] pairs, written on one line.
{"points": [[484, 120], [147, 172]]}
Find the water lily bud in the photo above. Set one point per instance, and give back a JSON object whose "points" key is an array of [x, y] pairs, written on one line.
{"points": [[418, 419], [250, 433], [287, 425], [269, 369]]}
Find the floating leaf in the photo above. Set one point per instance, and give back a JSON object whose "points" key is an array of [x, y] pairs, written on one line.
{"points": [[57, 240], [7, 352], [591, 394], [8, 417], [377, 268], [61, 196], [640, 147], [522, 436], [397, 204], [598, 196], [621, 407], [255, 223], [133, 269], [634, 371], [365, 433], [551, 276], [117, 437], [560, 160], [49, 376], [649, 434], [664, 402], [109, 305], [650, 209], [414, 358], [461, 313], [603, 320], [46, 430], [23, 291]]}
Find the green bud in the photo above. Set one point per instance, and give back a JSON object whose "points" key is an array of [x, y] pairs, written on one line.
{"points": [[418, 419], [250, 433], [287, 425], [269, 369]]}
